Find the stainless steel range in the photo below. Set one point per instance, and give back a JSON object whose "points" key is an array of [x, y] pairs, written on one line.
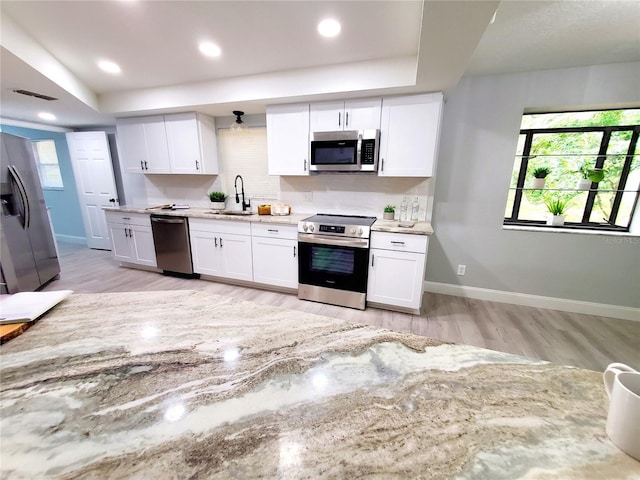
{"points": [[334, 259]]}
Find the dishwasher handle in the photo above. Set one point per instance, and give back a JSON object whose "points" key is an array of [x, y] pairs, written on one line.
{"points": [[167, 220]]}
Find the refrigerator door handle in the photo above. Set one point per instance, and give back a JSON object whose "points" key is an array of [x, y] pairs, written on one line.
{"points": [[23, 193]]}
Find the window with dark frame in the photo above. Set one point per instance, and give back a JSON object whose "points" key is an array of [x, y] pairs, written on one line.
{"points": [[568, 144]]}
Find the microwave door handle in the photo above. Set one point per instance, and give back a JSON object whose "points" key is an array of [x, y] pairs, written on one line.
{"points": [[359, 151]]}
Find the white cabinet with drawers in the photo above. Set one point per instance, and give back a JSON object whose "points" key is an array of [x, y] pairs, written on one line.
{"points": [[221, 248], [396, 269], [131, 238], [275, 254]]}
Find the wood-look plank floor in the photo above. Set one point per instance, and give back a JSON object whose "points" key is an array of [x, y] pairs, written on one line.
{"points": [[585, 341]]}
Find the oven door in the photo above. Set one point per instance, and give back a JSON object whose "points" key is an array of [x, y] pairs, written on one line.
{"points": [[333, 262]]}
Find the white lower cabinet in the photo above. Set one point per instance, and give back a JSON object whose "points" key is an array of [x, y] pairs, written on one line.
{"points": [[221, 248], [131, 238], [396, 269], [275, 254]]}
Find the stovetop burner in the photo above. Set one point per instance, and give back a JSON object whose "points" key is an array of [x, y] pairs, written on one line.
{"points": [[339, 225]]}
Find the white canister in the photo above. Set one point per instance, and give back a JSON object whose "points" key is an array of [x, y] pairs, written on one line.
{"points": [[622, 384]]}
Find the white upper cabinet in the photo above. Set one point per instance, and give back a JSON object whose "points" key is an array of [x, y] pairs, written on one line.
{"points": [[191, 139], [288, 139], [183, 143], [409, 135], [345, 115], [143, 144]]}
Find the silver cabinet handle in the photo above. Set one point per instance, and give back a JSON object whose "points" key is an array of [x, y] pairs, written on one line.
{"points": [[130, 233], [382, 165], [141, 165], [220, 242], [126, 234], [397, 243], [339, 113], [197, 165], [126, 218], [346, 123], [305, 164], [294, 251], [145, 165], [215, 239], [274, 230], [373, 259]]}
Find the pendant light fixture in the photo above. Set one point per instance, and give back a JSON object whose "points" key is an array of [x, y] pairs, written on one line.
{"points": [[238, 125]]}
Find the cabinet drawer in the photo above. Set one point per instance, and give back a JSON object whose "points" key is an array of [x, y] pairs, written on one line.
{"points": [[274, 230], [140, 219], [220, 226], [399, 242]]}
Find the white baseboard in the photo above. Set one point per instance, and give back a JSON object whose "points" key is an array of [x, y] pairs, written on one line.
{"points": [[71, 239], [539, 301]]}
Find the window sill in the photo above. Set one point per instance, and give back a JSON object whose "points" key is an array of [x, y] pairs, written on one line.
{"points": [[526, 228]]}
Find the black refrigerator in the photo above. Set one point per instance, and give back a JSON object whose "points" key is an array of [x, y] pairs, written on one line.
{"points": [[28, 257]]}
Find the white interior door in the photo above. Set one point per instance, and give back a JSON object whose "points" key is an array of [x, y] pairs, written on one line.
{"points": [[93, 171]]}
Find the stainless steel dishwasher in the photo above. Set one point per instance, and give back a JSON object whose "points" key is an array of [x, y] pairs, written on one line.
{"points": [[171, 241]]}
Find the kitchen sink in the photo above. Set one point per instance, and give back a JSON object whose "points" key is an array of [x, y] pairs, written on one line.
{"points": [[230, 212]]}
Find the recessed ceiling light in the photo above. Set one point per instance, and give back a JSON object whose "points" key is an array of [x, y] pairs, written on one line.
{"points": [[329, 27], [109, 67], [46, 116], [209, 49]]}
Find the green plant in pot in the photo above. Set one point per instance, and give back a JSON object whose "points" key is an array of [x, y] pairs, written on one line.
{"points": [[540, 175], [218, 200], [557, 206], [389, 212], [589, 175]]}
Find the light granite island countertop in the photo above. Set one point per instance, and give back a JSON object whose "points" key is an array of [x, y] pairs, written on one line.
{"points": [[185, 384]]}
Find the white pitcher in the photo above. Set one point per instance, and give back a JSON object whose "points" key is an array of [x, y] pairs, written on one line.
{"points": [[622, 384]]}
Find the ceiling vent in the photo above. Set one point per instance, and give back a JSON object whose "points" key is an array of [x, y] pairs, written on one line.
{"points": [[34, 94]]}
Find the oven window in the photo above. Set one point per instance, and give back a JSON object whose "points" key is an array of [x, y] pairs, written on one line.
{"points": [[334, 155], [332, 260]]}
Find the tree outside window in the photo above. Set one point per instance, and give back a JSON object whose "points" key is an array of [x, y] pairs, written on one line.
{"points": [[48, 167], [571, 145]]}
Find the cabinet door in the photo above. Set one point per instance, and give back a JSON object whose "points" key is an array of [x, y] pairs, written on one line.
{"points": [[362, 114], [275, 261], [155, 136], [235, 253], [288, 139], [395, 278], [144, 251], [205, 253], [409, 135], [121, 250], [183, 143], [132, 145], [326, 116]]}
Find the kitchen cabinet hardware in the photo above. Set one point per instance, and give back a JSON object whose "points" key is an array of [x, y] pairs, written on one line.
{"points": [[339, 124], [220, 242], [197, 165], [141, 165], [294, 251], [382, 164], [373, 259], [125, 233], [130, 233], [397, 243], [274, 230], [146, 167], [126, 218], [346, 121], [305, 164], [215, 239]]}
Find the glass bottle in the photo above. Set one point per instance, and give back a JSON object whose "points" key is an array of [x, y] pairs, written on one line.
{"points": [[415, 209], [403, 209]]}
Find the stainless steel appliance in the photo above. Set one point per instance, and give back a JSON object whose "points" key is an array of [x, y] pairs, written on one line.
{"points": [[333, 259], [28, 251], [172, 245], [345, 151]]}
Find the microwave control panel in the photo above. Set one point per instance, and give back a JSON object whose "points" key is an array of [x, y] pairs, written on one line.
{"points": [[368, 151]]}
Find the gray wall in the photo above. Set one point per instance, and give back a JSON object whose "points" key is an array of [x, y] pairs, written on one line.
{"points": [[481, 124]]}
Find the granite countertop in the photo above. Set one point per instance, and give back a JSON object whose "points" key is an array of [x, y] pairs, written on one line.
{"points": [[420, 228], [185, 384]]}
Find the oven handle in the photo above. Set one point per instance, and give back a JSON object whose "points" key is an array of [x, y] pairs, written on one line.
{"points": [[330, 240]]}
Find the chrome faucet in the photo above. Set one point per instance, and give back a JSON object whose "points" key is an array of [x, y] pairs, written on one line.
{"points": [[235, 185]]}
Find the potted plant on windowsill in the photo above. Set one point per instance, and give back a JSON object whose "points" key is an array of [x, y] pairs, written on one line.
{"points": [[589, 176], [389, 212], [540, 175], [218, 200], [557, 206]]}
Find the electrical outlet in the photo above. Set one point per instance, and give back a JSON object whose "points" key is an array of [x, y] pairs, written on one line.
{"points": [[462, 269]]}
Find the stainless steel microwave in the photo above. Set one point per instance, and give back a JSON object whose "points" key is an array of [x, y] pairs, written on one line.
{"points": [[345, 151]]}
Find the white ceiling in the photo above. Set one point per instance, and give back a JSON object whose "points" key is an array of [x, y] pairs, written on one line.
{"points": [[272, 53]]}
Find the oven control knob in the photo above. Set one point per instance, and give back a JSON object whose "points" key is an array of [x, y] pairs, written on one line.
{"points": [[353, 230], [305, 227], [360, 231], [311, 228]]}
